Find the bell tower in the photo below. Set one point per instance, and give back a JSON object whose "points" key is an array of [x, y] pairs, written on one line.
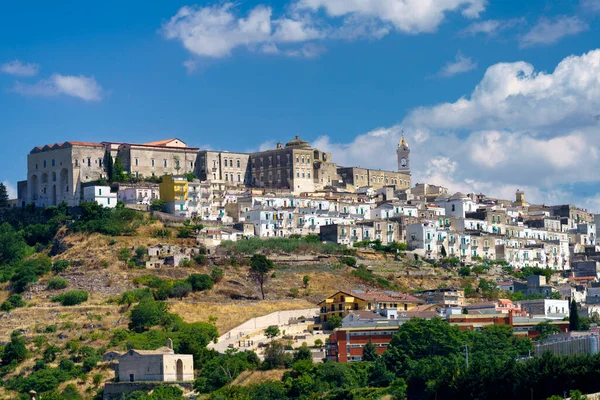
{"points": [[403, 153]]}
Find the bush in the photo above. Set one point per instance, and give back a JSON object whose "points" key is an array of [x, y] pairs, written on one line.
{"points": [[157, 205], [71, 298], [59, 266], [12, 302], [180, 289], [57, 283], [123, 254], [217, 274], [200, 259], [146, 314], [200, 282], [162, 233], [349, 261], [464, 271]]}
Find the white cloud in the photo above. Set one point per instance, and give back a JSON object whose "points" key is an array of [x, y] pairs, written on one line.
{"points": [[19, 68], [409, 16], [12, 191], [190, 65], [215, 31], [460, 65], [85, 88], [519, 129], [590, 5], [490, 27], [549, 31]]}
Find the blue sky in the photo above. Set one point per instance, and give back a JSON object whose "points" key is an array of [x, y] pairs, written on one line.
{"points": [[346, 75]]}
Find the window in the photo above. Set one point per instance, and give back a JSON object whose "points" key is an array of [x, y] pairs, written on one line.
{"points": [[308, 159], [297, 174], [53, 162], [108, 200], [239, 178], [297, 159], [238, 164], [89, 162], [165, 163], [153, 162], [76, 164], [231, 163], [44, 163], [99, 192], [308, 175], [226, 177], [302, 159], [137, 162]]}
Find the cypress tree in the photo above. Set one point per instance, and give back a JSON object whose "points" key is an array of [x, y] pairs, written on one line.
{"points": [[573, 316]]}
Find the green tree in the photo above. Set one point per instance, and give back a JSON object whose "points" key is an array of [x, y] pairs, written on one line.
{"points": [[272, 332], [14, 350], [180, 289], [335, 321], [217, 274], [546, 329], [146, 314], [71, 298], [3, 196], [369, 352], [275, 356], [158, 205], [118, 171], [573, 316], [260, 269], [200, 282], [109, 166], [305, 280], [303, 353], [444, 254]]}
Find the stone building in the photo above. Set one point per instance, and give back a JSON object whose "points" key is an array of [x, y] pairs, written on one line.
{"points": [[161, 365], [223, 166], [55, 172], [171, 156]]}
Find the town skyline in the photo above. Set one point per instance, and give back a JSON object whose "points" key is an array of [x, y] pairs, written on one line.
{"points": [[529, 106]]}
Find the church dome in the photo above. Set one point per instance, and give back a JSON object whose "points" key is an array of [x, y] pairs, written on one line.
{"points": [[298, 143]]}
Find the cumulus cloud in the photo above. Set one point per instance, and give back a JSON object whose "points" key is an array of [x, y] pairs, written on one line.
{"points": [[490, 27], [460, 65], [18, 68], [409, 16], [519, 129], [215, 31], [549, 31], [82, 87]]}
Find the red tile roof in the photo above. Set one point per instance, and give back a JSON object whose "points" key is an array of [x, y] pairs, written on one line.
{"points": [[162, 142]]}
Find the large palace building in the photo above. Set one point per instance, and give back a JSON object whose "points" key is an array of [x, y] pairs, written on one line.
{"points": [[56, 173]]}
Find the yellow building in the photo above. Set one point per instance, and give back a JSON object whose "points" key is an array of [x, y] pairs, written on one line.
{"points": [[174, 192], [173, 188], [341, 303]]}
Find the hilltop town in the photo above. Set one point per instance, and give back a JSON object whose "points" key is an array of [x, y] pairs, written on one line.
{"points": [[170, 261]]}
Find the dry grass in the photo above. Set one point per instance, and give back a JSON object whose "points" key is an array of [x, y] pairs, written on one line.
{"points": [[247, 378], [232, 314]]}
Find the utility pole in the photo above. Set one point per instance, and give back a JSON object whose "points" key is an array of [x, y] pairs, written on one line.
{"points": [[467, 355]]}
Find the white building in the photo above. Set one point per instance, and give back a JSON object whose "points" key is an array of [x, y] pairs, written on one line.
{"points": [[101, 195]]}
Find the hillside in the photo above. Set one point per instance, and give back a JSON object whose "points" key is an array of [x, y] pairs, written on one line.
{"points": [[79, 253]]}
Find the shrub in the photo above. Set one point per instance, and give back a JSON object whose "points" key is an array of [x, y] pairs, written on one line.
{"points": [[71, 298], [184, 232], [12, 302], [217, 274], [185, 263], [294, 292], [59, 266], [51, 329], [57, 283], [349, 261], [180, 289], [123, 254], [200, 259], [162, 233], [157, 205], [146, 314], [200, 282]]}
